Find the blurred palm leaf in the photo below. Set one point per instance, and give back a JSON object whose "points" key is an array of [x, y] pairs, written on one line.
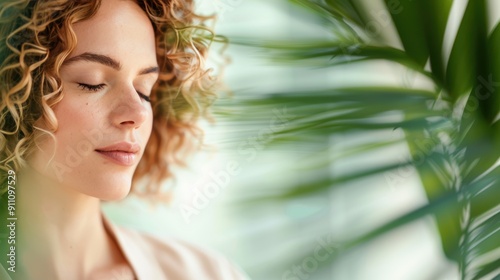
{"points": [[449, 122]]}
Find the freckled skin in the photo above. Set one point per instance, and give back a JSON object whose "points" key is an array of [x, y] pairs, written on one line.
{"points": [[61, 234], [114, 113]]}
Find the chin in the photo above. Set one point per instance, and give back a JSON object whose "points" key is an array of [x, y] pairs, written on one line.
{"points": [[110, 190], [115, 195]]}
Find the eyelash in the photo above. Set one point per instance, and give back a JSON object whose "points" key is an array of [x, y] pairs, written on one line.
{"points": [[145, 97], [95, 88], [90, 87]]}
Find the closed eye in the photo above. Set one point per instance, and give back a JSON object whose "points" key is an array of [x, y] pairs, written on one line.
{"points": [[91, 87], [96, 88], [145, 97]]}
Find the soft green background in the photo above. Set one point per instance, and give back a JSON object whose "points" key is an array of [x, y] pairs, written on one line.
{"points": [[254, 220]]}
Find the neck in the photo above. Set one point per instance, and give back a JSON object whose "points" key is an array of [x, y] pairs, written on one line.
{"points": [[59, 231]]}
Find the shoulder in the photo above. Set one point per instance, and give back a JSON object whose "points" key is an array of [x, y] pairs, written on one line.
{"points": [[174, 258]]}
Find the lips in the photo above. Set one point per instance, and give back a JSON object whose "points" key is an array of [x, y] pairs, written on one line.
{"points": [[122, 153]]}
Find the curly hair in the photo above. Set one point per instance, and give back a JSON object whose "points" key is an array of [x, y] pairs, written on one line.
{"points": [[35, 39]]}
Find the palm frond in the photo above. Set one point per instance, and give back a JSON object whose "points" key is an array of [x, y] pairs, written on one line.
{"points": [[450, 128]]}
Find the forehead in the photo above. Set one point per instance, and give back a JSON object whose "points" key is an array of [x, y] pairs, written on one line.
{"points": [[121, 29]]}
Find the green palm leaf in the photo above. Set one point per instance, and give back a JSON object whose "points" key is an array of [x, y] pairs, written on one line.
{"points": [[450, 127]]}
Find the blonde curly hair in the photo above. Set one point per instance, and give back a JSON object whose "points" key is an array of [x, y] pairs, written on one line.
{"points": [[35, 39]]}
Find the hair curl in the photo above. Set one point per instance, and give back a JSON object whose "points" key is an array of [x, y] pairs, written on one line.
{"points": [[35, 39]]}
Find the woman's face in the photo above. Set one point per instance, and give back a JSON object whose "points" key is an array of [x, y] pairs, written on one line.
{"points": [[104, 118]]}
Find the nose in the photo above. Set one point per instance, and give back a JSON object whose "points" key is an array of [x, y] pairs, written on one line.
{"points": [[129, 110]]}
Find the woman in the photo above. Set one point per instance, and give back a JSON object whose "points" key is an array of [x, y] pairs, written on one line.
{"points": [[95, 96]]}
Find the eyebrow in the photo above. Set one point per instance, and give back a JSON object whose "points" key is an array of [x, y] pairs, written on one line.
{"points": [[149, 70], [107, 61]]}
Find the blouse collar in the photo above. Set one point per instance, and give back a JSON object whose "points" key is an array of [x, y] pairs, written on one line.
{"points": [[135, 251]]}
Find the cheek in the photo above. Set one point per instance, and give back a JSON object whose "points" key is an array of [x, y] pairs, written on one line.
{"points": [[73, 116], [147, 127], [79, 127], [71, 146], [150, 124]]}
